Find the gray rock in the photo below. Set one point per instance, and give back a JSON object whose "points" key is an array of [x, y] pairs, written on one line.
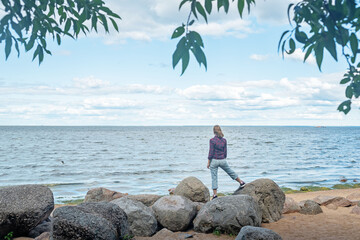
{"points": [[193, 189], [198, 205], [228, 214], [269, 196], [290, 206], [141, 219], [174, 212], [23, 207], [311, 208], [45, 226], [257, 233], [90, 221], [146, 199], [102, 195]]}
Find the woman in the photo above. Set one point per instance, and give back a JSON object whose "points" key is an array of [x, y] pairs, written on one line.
{"points": [[217, 158]]}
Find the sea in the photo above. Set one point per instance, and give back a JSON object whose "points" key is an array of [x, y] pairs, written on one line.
{"points": [[151, 160]]}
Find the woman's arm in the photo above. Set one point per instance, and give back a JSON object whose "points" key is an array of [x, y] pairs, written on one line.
{"points": [[225, 149]]}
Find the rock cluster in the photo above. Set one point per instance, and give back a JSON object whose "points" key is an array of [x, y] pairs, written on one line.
{"points": [[109, 215]]}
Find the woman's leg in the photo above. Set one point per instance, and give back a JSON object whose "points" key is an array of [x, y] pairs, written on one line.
{"points": [[214, 176], [225, 166]]}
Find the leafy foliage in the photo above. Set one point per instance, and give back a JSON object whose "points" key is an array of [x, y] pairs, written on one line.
{"points": [[9, 236], [30, 22], [327, 25], [191, 40]]}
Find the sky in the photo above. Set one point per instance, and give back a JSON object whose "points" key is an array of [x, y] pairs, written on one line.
{"points": [[126, 78]]}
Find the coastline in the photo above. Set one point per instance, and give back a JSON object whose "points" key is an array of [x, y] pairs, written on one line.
{"points": [[331, 224]]}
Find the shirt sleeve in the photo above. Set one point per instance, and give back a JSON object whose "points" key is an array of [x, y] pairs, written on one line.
{"points": [[212, 150], [225, 149]]}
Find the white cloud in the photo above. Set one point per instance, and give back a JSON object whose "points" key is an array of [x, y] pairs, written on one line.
{"points": [[110, 103], [259, 57], [271, 11], [89, 82], [215, 92]]}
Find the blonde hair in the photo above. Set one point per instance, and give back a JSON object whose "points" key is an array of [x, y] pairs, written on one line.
{"points": [[218, 132]]}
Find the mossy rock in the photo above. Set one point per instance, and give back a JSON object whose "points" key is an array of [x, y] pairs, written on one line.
{"points": [[342, 186], [289, 190], [317, 188]]}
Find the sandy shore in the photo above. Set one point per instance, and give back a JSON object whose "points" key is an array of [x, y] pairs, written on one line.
{"points": [[330, 225]]}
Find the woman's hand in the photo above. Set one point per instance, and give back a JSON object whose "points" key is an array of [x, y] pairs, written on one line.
{"points": [[208, 164]]}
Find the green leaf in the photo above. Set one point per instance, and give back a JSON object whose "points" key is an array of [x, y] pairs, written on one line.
{"points": [[330, 46], [354, 44], [288, 11], [308, 52], [241, 5], [36, 53], [292, 46], [182, 3], [282, 36], [41, 55], [208, 6], [67, 25], [319, 53], [345, 80], [196, 36], [185, 60], [226, 5], [345, 107], [180, 47], [349, 92], [94, 22], [58, 39], [8, 45], [178, 32], [199, 55], [114, 24], [300, 36], [201, 10], [191, 22], [220, 3]]}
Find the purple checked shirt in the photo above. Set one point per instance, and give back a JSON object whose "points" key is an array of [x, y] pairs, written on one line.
{"points": [[218, 149]]}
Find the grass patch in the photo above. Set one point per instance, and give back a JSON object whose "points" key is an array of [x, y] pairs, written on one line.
{"points": [[304, 189], [346, 186]]}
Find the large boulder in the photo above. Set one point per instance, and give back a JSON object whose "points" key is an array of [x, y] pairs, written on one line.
{"points": [[311, 208], [269, 196], [141, 219], [257, 233], [23, 207], [90, 221], [174, 212], [102, 195], [193, 189], [146, 199], [228, 214], [290, 206]]}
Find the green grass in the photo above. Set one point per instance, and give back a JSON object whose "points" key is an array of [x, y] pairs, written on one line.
{"points": [[287, 190]]}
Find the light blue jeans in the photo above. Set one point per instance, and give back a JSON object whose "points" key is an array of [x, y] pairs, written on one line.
{"points": [[214, 165]]}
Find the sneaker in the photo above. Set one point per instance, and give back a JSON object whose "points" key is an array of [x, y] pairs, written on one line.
{"points": [[215, 196], [242, 184]]}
